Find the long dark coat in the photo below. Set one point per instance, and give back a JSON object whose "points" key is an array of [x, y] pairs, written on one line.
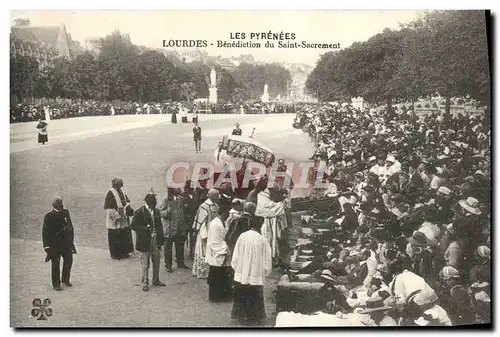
{"points": [[58, 233], [142, 224]]}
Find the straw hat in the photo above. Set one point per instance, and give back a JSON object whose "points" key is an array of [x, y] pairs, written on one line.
{"points": [[375, 304], [327, 275], [470, 205], [444, 190], [425, 297], [483, 251], [450, 272]]}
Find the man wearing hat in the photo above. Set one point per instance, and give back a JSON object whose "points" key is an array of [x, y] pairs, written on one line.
{"points": [[58, 241], [190, 208], [377, 309], [453, 296], [426, 302], [392, 166], [147, 225], [379, 169], [441, 206], [481, 272], [174, 227]]}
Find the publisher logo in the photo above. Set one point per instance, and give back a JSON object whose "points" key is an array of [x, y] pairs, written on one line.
{"points": [[41, 309]]}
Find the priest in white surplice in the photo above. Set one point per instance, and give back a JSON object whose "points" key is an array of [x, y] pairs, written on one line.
{"points": [[217, 253], [206, 213], [251, 262]]}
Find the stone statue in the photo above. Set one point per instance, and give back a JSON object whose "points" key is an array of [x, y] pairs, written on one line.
{"points": [[265, 96], [213, 78]]}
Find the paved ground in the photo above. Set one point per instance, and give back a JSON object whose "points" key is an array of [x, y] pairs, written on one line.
{"points": [[78, 163]]}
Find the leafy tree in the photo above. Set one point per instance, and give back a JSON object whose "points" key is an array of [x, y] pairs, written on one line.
{"points": [[24, 75], [118, 64], [155, 74], [238, 96], [188, 91]]}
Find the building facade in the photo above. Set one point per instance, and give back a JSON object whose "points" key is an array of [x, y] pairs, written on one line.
{"points": [[42, 43]]}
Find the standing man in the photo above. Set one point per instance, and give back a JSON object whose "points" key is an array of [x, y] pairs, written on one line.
{"points": [[197, 137], [42, 132], [251, 263], [146, 223], [118, 211], [219, 274], [237, 131], [190, 208], [58, 240], [174, 227]]}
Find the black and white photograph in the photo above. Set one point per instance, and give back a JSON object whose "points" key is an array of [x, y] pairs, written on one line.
{"points": [[250, 168]]}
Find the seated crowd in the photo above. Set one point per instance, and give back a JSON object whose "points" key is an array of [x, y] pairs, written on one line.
{"points": [[414, 212]]}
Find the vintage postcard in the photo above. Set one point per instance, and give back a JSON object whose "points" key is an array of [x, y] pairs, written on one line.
{"points": [[250, 168]]}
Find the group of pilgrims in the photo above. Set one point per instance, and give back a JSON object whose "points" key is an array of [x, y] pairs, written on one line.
{"points": [[222, 229], [413, 205]]}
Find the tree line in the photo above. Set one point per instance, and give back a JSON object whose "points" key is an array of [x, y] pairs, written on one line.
{"points": [[442, 52], [120, 70]]}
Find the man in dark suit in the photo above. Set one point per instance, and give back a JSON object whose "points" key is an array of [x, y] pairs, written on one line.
{"points": [[190, 209], [147, 225], [237, 131], [58, 240], [197, 137], [174, 227]]}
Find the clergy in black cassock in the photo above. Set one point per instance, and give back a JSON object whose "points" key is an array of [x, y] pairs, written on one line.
{"points": [[118, 211], [42, 132]]}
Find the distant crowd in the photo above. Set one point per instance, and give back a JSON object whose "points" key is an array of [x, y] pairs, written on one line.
{"points": [[31, 112]]}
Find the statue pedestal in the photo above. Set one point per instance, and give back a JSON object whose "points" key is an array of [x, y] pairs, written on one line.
{"points": [[212, 98], [265, 98]]}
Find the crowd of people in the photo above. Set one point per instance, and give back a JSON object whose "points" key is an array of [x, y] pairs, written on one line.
{"points": [[414, 212], [67, 109], [409, 195]]}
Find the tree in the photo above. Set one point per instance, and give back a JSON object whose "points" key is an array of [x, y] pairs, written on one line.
{"points": [[118, 64], [24, 75], [61, 81], [188, 91], [238, 96], [456, 54], [87, 79], [75, 47], [155, 76]]}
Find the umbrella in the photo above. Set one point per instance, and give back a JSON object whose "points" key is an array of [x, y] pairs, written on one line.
{"points": [[249, 148]]}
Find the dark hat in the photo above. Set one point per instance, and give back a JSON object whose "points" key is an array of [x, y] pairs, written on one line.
{"points": [[150, 196], [418, 239], [405, 165]]}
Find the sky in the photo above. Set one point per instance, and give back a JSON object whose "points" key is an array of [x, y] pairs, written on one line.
{"points": [[150, 28]]}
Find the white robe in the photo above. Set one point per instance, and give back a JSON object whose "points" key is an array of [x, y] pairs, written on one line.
{"points": [[217, 248], [206, 213], [251, 259], [274, 220]]}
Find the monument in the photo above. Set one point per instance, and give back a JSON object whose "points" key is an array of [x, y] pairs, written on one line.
{"points": [[265, 96], [212, 97]]}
